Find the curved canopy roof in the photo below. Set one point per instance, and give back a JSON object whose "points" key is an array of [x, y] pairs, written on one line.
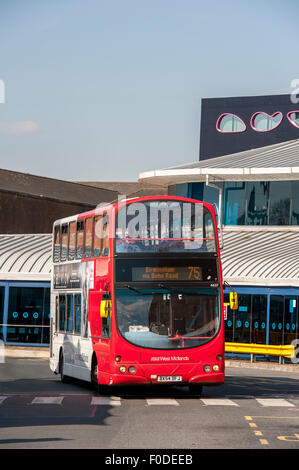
{"points": [[25, 257], [271, 163], [261, 256], [251, 256]]}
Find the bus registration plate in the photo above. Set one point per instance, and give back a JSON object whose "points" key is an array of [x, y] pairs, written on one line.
{"points": [[169, 378]]}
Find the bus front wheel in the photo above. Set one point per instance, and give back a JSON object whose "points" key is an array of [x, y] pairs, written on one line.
{"points": [[95, 375], [195, 389]]}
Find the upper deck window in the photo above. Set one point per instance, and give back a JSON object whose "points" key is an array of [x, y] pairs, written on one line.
{"points": [[88, 237], [101, 235], [56, 254], [80, 239], [97, 245], [64, 242], [164, 226], [72, 241]]}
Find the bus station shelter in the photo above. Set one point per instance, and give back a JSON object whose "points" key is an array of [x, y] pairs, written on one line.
{"points": [[25, 279]]}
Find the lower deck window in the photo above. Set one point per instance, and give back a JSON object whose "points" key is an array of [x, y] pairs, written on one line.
{"points": [[69, 313]]}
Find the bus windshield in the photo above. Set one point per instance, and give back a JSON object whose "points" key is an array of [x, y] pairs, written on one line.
{"points": [[167, 318], [164, 226]]}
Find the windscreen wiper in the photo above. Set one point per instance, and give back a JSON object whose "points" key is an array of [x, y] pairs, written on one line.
{"points": [[133, 289], [177, 291], [161, 286], [138, 291]]}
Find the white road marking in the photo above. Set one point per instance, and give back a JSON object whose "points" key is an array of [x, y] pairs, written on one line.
{"points": [[162, 401], [47, 401], [274, 402], [218, 401], [2, 399], [111, 401]]}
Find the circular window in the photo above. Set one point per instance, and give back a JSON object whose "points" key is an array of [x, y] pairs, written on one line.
{"points": [[263, 122], [230, 123], [293, 117]]}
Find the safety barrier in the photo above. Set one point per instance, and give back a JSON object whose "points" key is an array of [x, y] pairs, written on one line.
{"points": [[260, 349]]}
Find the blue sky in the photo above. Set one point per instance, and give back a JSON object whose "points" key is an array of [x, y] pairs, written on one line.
{"points": [[103, 90]]}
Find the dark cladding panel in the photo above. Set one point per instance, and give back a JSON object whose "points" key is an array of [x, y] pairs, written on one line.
{"points": [[25, 214], [215, 144]]}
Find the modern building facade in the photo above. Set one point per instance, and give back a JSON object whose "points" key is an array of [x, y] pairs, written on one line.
{"points": [[257, 196], [230, 125]]}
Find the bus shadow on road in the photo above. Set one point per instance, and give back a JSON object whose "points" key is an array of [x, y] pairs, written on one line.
{"points": [[135, 392], [261, 386], [242, 386], [27, 441]]}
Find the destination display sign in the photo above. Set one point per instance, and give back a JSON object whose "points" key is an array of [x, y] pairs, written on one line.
{"points": [[167, 273], [167, 270]]}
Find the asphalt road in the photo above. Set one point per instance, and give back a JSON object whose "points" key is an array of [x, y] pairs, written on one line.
{"points": [[255, 409]]}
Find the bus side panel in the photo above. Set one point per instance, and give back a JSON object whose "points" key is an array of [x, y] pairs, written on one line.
{"points": [[101, 345], [54, 342], [100, 338]]}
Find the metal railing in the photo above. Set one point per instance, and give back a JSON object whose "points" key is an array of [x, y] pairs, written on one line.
{"points": [[261, 349]]}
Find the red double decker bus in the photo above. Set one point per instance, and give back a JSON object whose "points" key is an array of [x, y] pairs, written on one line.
{"points": [[136, 295]]}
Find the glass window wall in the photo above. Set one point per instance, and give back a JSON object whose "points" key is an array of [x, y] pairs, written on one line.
{"points": [[259, 319], [295, 203], [234, 200], [279, 203], [242, 322], [257, 202], [290, 323], [1, 311], [263, 319], [253, 202], [28, 315]]}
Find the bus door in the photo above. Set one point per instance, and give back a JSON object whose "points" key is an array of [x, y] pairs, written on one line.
{"points": [[105, 332]]}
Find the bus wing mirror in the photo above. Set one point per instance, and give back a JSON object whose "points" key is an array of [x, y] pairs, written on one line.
{"points": [[105, 308], [233, 300], [105, 252]]}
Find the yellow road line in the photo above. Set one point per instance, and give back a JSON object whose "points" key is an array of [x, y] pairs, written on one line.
{"points": [[263, 441], [275, 417]]}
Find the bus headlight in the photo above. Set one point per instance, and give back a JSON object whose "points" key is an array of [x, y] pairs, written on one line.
{"points": [[132, 370], [122, 369], [216, 368], [207, 368]]}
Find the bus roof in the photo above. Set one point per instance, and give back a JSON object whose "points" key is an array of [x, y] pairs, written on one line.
{"points": [[121, 202]]}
